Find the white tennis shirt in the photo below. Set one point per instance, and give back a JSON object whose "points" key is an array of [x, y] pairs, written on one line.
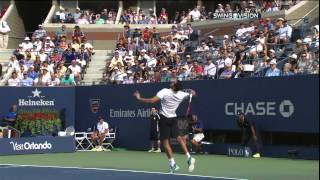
{"points": [[170, 101], [102, 127]]}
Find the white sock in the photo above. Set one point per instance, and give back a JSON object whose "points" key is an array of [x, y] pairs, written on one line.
{"points": [[172, 162], [188, 155]]}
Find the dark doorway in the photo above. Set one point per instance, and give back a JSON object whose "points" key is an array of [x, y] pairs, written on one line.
{"points": [[98, 5], [33, 13]]}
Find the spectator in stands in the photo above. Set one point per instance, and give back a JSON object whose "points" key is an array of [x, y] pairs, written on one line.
{"points": [[67, 80], [40, 32], [287, 70], [220, 9], [61, 32], [227, 73], [60, 15], [76, 70], [82, 20], [13, 63], [78, 35], [163, 18], [99, 20], [14, 80], [273, 70], [54, 81], [32, 73], [69, 19], [4, 34], [195, 14], [210, 69], [77, 14], [26, 81], [110, 20], [26, 44]]}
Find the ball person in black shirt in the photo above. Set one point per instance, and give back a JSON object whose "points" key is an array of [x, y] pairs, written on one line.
{"points": [[249, 131], [154, 131]]}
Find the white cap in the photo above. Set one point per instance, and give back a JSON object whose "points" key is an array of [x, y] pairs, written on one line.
{"points": [[45, 69], [273, 61], [40, 25], [77, 8], [226, 36], [211, 36], [163, 44], [271, 50], [188, 56], [48, 37], [219, 4], [280, 19], [20, 45], [316, 27], [148, 27], [27, 38], [32, 66], [165, 69], [143, 50], [116, 68], [129, 72], [237, 41], [294, 56], [307, 40], [228, 62], [299, 41]]}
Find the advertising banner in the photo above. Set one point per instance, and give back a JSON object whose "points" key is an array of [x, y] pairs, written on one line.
{"points": [[37, 145]]}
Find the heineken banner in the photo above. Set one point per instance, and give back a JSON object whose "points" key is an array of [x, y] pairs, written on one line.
{"points": [[42, 110]]}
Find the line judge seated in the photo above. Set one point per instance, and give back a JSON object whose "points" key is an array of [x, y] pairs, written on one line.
{"points": [[99, 134]]}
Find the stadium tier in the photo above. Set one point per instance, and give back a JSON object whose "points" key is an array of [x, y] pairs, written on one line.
{"points": [[233, 78]]}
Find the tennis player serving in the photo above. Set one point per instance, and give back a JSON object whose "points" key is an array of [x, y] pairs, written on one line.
{"points": [[170, 101]]}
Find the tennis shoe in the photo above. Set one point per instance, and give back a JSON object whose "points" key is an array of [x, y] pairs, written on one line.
{"points": [[257, 155], [173, 168], [191, 162]]}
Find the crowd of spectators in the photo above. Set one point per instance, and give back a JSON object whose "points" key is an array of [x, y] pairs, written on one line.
{"points": [[85, 17], [143, 56], [130, 16], [44, 60]]}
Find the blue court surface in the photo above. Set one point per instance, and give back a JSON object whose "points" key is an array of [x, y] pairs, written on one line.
{"points": [[30, 172]]}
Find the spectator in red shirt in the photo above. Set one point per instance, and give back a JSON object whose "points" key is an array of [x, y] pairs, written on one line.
{"points": [[146, 35]]}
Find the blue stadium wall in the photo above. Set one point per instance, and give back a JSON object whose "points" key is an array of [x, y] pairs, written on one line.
{"points": [[283, 104]]}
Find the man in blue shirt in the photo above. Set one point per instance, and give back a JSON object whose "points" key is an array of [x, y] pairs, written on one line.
{"points": [[26, 81], [196, 128], [273, 70], [11, 116]]}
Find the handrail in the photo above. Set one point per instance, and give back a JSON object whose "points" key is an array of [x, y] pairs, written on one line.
{"points": [[120, 9], [50, 14]]}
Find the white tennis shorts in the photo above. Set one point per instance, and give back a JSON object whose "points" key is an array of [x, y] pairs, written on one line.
{"points": [[198, 137]]}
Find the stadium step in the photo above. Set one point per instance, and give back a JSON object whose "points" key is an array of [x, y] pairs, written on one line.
{"points": [[97, 66]]}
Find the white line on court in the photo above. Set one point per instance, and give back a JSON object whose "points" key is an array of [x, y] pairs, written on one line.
{"points": [[118, 170], [317, 6]]}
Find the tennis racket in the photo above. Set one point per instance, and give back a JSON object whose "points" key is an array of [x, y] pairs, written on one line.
{"points": [[189, 106]]}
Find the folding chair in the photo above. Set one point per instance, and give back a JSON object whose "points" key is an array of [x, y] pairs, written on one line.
{"points": [[109, 139]]}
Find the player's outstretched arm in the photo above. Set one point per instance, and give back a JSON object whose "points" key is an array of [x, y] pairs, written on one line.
{"points": [[146, 100]]}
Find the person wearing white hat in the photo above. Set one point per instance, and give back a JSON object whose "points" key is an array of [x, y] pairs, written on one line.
{"points": [[40, 32], [219, 9], [287, 70], [227, 73], [26, 44], [4, 34], [60, 15], [273, 70], [77, 14]]}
